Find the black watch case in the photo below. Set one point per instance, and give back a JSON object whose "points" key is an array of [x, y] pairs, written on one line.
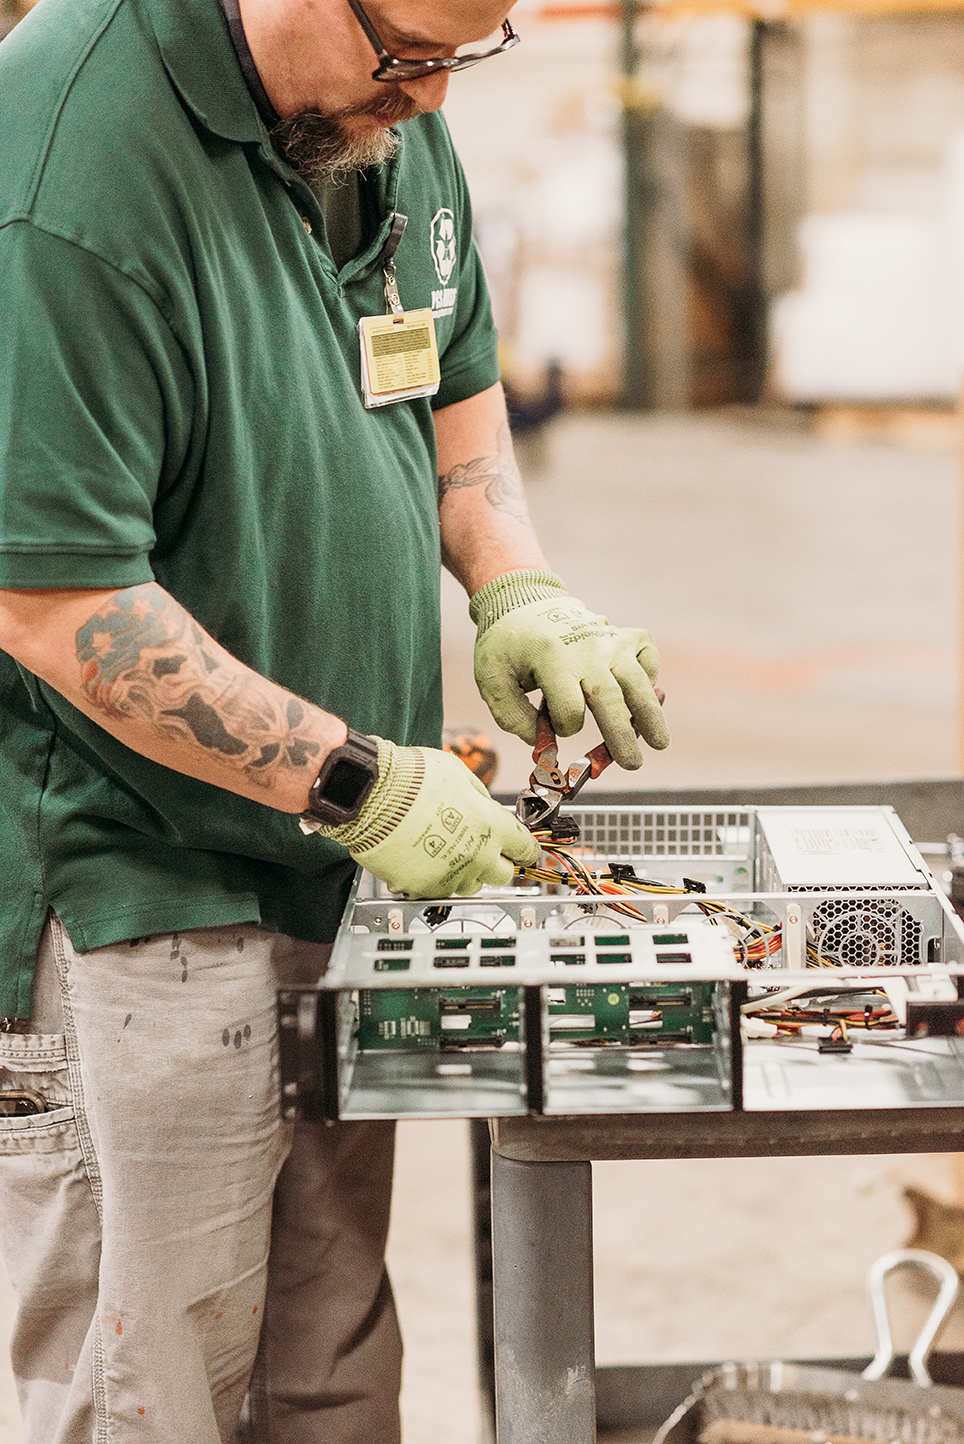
{"points": [[347, 776]]}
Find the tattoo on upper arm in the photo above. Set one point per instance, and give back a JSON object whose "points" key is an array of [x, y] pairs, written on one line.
{"points": [[498, 474], [142, 657]]}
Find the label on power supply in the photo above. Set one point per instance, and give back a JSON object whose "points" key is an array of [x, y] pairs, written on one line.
{"points": [[852, 847]]}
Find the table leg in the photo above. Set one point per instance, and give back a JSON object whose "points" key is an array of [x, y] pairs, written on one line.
{"points": [[542, 1254]]}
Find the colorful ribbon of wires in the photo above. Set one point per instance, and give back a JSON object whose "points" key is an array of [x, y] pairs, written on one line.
{"points": [[755, 941]]}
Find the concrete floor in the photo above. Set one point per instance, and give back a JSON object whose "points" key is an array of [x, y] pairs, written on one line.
{"points": [[803, 591]]}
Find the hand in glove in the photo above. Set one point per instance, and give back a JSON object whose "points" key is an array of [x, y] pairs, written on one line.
{"points": [[429, 828], [532, 634]]}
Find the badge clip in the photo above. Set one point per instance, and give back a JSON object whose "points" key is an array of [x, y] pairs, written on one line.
{"points": [[399, 351]]}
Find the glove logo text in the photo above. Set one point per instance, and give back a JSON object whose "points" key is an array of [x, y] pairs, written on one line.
{"points": [[582, 634], [433, 845], [450, 819]]}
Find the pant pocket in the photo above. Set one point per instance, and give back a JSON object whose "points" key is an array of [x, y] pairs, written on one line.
{"points": [[49, 1229], [35, 1092]]}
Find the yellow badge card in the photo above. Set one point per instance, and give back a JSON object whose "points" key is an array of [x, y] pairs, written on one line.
{"points": [[399, 357]]}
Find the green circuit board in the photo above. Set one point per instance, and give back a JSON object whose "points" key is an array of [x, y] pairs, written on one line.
{"points": [[587, 1014], [437, 1017], [631, 1013]]}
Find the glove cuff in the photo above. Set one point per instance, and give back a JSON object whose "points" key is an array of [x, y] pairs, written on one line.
{"points": [[513, 589], [401, 772]]}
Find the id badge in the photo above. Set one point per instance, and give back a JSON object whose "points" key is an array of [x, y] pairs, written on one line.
{"points": [[399, 357]]}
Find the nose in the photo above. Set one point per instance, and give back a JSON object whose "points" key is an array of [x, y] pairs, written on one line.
{"points": [[429, 92]]}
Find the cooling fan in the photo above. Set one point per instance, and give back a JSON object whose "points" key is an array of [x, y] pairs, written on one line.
{"points": [[866, 932]]}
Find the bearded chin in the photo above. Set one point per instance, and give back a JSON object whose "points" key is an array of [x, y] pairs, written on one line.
{"points": [[322, 148]]}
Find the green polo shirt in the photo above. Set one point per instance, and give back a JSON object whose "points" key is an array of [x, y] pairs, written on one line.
{"points": [[180, 401]]}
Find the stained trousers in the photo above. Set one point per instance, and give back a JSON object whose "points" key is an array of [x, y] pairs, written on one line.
{"points": [[188, 1268]]}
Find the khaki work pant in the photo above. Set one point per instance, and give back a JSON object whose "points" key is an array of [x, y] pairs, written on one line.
{"points": [[136, 1212]]}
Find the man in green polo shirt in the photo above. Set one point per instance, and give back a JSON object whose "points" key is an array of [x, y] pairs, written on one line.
{"points": [[220, 537]]}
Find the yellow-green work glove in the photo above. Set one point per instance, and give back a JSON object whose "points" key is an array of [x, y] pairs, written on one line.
{"points": [[532, 634], [429, 828]]}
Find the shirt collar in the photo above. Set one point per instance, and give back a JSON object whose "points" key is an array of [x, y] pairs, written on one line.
{"points": [[231, 11], [196, 48]]}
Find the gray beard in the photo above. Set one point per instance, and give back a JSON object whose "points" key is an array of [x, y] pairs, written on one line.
{"points": [[319, 148]]}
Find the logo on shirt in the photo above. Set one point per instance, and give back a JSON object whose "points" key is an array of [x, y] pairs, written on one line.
{"points": [[444, 256], [444, 246]]}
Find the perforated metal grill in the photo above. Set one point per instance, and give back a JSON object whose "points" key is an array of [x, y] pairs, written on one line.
{"points": [[641, 832], [869, 933], [857, 887]]}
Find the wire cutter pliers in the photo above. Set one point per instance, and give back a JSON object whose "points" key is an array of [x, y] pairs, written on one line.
{"points": [[549, 787]]}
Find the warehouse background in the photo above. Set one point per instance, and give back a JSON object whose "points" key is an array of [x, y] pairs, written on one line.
{"points": [[795, 216], [752, 227]]}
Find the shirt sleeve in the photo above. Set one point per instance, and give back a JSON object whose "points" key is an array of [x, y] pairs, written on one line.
{"points": [[92, 386], [470, 363]]}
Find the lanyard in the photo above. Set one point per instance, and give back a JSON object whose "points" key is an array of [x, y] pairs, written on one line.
{"points": [[393, 302]]}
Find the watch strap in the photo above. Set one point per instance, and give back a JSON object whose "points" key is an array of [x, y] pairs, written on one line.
{"points": [[343, 785]]}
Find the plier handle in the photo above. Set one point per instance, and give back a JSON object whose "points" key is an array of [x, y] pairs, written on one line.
{"points": [[549, 787]]}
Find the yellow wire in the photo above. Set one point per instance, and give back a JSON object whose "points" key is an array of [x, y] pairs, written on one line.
{"points": [[577, 875]]}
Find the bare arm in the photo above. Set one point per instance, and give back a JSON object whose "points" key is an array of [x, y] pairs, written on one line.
{"points": [[138, 665], [482, 509]]}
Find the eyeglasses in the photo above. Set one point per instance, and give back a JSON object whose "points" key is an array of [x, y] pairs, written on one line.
{"points": [[393, 68]]}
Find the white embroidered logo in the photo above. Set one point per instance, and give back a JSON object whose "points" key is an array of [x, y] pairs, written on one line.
{"points": [[444, 245]]}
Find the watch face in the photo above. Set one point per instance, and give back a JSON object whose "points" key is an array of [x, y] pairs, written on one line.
{"points": [[345, 782]]}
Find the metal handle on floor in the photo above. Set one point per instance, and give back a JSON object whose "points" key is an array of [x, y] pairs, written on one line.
{"points": [[945, 1273]]}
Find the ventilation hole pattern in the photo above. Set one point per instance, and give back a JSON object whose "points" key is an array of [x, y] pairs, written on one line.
{"points": [[870, 933], [641, 833]]}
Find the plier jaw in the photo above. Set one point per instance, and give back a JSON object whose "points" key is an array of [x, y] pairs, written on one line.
{"points": [[537, 805]]}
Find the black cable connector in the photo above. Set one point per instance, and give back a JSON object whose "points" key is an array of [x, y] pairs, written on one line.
{"points": [[622, 872]]}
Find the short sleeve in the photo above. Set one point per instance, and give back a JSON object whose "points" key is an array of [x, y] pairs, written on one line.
{"points": [[95, 401], [470, 363]]}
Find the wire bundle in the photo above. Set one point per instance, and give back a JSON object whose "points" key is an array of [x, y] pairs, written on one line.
{"points": [[755, 942]]}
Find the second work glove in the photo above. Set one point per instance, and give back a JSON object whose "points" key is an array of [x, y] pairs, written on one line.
{"points": [[429, 828], [532, 634]]}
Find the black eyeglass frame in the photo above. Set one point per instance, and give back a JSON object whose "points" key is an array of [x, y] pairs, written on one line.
{"points": [[393, 68]]}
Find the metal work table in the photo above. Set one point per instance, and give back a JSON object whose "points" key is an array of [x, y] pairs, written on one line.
{"points": [[542, 1232], [541, 1314]]}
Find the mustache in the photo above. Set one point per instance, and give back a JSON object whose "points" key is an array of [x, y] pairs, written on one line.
{"points": [[326, 144], [393, 108]]}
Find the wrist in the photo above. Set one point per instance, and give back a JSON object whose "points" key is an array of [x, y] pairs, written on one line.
{"points": [[401, 771], [511, 590], [344, 782]]}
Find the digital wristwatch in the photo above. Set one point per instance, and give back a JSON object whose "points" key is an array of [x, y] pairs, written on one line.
{"points": [[341, 788]]}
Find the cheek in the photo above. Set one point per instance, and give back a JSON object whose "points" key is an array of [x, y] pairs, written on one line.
{"points": [[428, 94]]}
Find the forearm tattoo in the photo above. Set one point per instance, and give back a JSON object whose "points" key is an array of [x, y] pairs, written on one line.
{"points": [[498, 474], [142, 657]]}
